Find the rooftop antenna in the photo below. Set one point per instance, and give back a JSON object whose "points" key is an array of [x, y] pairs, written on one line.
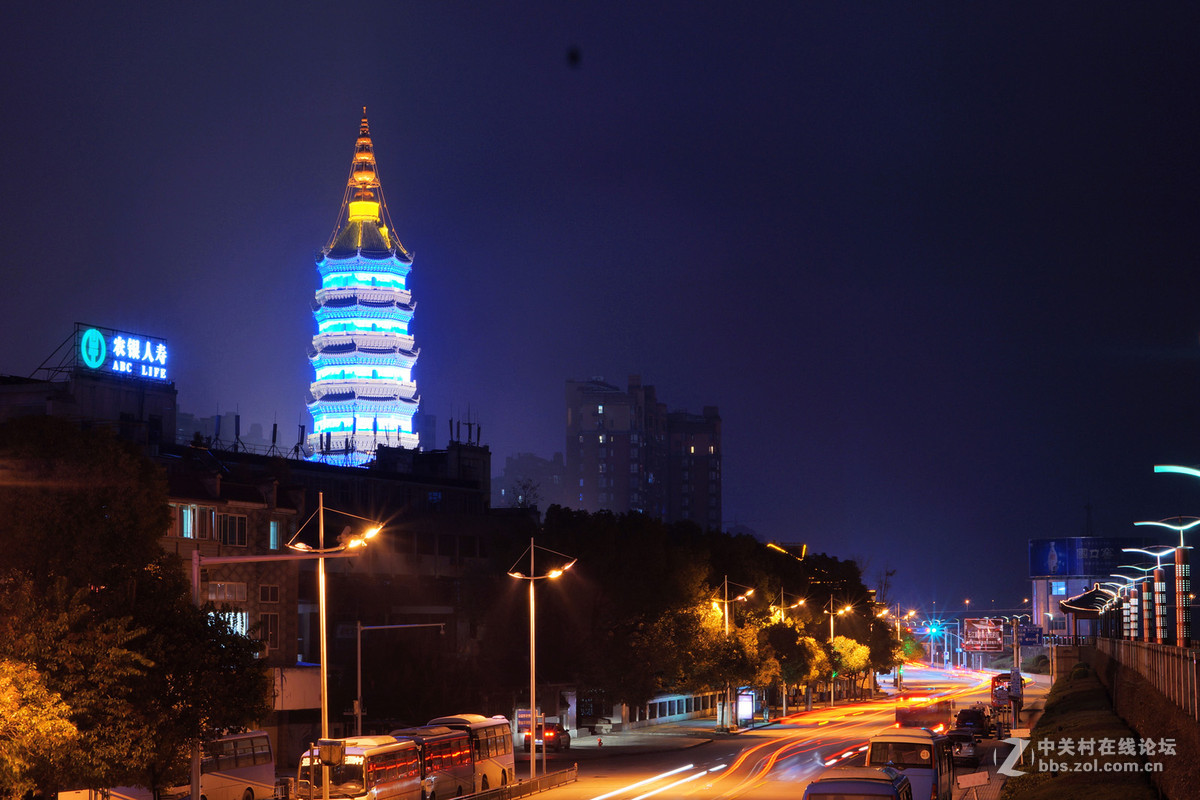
{"points": [[274, 450]]}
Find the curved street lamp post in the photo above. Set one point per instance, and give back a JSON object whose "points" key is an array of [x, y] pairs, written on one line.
{"points": [[348, 545], [533, 578]]}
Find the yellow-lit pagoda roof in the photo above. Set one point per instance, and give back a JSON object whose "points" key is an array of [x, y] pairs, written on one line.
{"points": [[364, 225]]}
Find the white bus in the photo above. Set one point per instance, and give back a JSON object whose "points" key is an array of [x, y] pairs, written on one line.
{"points": [[240, 766], [447, 769], [491, 747], [375, 767]]}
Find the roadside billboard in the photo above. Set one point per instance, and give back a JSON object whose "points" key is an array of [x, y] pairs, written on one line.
{"points": [[983, 635]]}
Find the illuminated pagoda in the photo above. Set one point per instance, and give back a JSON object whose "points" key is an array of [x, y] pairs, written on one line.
{"points": [[363, 393]]}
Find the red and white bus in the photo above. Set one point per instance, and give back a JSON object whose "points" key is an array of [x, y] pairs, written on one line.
{"points": [[375, 767], [491, 747], [447, 769]]}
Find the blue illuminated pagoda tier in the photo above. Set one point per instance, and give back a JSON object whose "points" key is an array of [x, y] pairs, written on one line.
{"points": [[363, 393]]}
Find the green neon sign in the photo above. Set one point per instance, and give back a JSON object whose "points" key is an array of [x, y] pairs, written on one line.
{"points": [[92, 348]]}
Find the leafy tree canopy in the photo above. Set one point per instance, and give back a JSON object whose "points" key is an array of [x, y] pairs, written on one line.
{"points": [[92, 605]]}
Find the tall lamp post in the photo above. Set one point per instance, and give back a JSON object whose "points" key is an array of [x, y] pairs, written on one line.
{"points": [[348, 545], [346, 542], [533, 578], [1183, 573], [899, 640], [1159, 584], [830, 610], [741, 598]]}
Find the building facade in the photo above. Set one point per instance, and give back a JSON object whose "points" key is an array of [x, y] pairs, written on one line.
{"points": [[363, 394], [625, 452], [1069, 566]]}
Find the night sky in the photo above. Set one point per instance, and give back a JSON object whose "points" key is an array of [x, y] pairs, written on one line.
{"points": [[935, 263]]}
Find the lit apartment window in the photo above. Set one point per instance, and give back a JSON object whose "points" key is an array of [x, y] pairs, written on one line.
{"points": [[600, 408], [275, 541], [602, 438], [1058, 587], [692, 449]]}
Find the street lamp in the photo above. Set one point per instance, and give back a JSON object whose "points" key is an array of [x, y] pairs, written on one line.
{"points": [[533, 577], [899, 640], [1129, 614], [783, 608], [741, 598], [348, 545], [1159, 585], [829, 610], [1183, 572]]}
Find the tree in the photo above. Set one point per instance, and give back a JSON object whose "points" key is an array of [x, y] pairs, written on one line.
{"points": [[91, 602], [850, 658], [526, 493], [34, 723]]}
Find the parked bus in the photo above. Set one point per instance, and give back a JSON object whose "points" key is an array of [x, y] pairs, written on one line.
{"points": [[447, 769], [925, 757], [375, 767], [240, 766], [491, 747], [237, 767]]}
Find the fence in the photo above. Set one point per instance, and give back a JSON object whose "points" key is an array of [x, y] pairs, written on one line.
{"points": [[1169, 669], [525, 788]]}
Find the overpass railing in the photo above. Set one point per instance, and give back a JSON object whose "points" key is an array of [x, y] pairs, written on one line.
{"points": [[1173, 671]]}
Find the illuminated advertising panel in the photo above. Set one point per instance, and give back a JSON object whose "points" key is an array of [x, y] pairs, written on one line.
{"points": [[120, 353], [983, 635], [1078, 556]]}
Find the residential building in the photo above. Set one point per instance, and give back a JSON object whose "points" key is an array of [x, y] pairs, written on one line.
{"points": [[625, 452]]}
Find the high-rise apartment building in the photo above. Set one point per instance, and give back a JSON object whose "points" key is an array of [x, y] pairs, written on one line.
{"points": [[626, 453], [363, 394]]}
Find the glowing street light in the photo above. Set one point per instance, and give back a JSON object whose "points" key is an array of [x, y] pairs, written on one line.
{"points": [[830, 611], [741, 598], [347, 546], [1159, 592], [532, 578], [347, 543]]}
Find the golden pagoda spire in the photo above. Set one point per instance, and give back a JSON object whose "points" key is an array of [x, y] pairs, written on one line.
{"points": [[363, 206], [364, 178]]}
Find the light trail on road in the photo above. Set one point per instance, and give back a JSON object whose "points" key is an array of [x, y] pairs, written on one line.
{"points": [[779, 760]]}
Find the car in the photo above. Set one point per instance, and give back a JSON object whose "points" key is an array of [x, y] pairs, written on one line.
{"points": [[975, 718], [872, 782], [556, 737], [966, 746]]}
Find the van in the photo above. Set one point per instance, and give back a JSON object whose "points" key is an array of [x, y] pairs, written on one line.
{"points": [[924, 757], [850, 783]]}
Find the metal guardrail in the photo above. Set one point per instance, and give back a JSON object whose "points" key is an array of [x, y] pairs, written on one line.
{"points": [[526, 788], [286, 788]]}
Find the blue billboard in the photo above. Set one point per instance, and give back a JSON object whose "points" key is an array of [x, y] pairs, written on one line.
{"points": [[1078, 556]]}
